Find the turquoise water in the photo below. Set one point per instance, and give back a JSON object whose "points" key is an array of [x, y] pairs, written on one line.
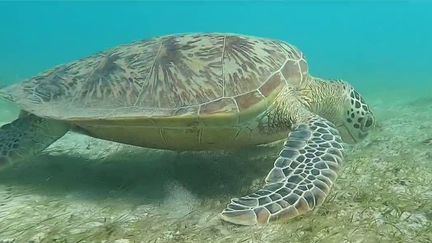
{"points": [[86, 190], [371, 44]]}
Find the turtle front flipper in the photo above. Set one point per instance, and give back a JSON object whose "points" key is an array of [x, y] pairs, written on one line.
{"points": [[27, 136], [300, 179]]}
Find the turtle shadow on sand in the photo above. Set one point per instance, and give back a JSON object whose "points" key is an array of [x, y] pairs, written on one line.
{"points": [[143, 176]]}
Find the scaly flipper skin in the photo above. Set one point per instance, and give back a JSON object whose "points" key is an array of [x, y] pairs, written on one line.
{"points": [[27, 136], [300, 179]]}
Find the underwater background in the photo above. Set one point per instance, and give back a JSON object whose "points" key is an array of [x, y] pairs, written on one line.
{"points": [[87, 190], [375, 45]]}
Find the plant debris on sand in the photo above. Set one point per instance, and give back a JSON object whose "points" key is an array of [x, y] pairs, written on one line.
{"points": [[87, 190]]}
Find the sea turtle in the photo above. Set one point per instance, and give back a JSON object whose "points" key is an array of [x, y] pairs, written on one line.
{"points": [[201, 92]]}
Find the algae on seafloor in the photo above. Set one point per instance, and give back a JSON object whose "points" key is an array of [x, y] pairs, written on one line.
{"points": [[89, 190]]}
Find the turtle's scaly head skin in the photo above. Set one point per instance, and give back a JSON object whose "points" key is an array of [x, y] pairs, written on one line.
{"points": [[341, 104], [358, 118]]}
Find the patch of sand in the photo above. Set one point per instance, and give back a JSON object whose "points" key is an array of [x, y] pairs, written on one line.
{"points": [[88, 190]]}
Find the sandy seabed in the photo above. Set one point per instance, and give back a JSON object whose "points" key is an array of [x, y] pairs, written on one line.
{"points": [[87, 190]]}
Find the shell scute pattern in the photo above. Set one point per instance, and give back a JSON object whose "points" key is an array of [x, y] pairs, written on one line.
{"points": [[220, 105], [191, 74], [248, 63], [91, 81], [273, 83], [296, 67], [186, 72]]}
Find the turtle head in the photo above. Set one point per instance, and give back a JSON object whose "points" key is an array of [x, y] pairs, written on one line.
{"points": [[341, 104], [356, 119]]}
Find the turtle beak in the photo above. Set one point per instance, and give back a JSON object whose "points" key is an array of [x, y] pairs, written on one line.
{"points": [[346, 135], [368, 123]]}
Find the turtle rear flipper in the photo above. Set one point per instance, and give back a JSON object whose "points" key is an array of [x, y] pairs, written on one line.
{"points": [[300, 179], [27, 136]]}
